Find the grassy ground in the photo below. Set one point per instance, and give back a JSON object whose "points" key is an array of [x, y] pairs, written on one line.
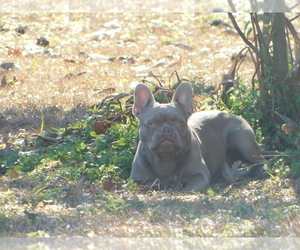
{"points": [[53, 86], [91, 52], [248, 209]]}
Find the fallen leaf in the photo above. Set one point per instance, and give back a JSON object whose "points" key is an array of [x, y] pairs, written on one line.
{"points": [[199, 98], [14, 52], [14, 174], [8, 145], [108, 185], [289, 128], [82, 83], [100, 125]]}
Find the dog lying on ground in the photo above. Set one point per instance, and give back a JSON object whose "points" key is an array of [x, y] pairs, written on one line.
{"points": [[186, 150]]}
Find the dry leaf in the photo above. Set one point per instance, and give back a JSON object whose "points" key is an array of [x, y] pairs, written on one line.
{"points": [[288, 128], [14, 174], [14, 52], [108, 185], [82, 83], [199, 98], [100, 125]]}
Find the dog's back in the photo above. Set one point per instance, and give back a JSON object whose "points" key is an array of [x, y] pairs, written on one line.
{"points": [[225, 139]]}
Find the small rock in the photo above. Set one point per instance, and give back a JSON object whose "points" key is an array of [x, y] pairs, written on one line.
{"points": [[7, 65], [42, 41]]}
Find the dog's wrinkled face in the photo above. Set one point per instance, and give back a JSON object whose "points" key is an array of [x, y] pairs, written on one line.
{"points": [[164, 130], [163, 127]]}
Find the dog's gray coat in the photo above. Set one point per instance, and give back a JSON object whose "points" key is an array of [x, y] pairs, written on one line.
{"points": [[181, 149]]}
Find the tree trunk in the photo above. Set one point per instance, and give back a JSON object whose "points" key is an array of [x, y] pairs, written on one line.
{"points": [[280, 61], [283, 89]]}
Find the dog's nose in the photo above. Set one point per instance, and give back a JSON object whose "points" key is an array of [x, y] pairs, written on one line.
{"points": [[166, 130]]}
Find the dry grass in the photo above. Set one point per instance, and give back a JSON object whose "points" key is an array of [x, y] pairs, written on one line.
{"points": [[248, 209], [129, 45]]}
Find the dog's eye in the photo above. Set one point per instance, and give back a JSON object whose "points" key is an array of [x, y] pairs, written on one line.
{"points": [[152, 124], [178, 123]]}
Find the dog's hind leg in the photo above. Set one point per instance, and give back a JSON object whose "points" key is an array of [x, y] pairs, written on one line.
{"points": [[244, 144]]}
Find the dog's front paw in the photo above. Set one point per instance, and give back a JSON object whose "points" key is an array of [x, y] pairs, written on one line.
{"points": [[197, 183]]}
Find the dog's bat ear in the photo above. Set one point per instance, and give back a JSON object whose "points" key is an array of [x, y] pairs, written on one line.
{"points": [[184, 97], [143, 97]]}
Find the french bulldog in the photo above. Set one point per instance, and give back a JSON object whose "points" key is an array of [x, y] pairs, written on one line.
{"points": [[184, 150]]}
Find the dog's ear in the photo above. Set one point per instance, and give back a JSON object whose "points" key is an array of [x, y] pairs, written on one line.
{"points": [[184, 97], [143, 98]]}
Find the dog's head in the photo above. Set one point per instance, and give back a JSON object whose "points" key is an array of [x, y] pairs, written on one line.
{"points": [[163, 127]]}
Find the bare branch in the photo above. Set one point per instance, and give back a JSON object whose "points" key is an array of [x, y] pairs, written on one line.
{"points": [[242, 35], [294, 18]]}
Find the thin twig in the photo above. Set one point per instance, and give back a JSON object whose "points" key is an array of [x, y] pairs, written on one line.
{"points": [[294, 18], [151, 74], [145, 80], [177, 76]]}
